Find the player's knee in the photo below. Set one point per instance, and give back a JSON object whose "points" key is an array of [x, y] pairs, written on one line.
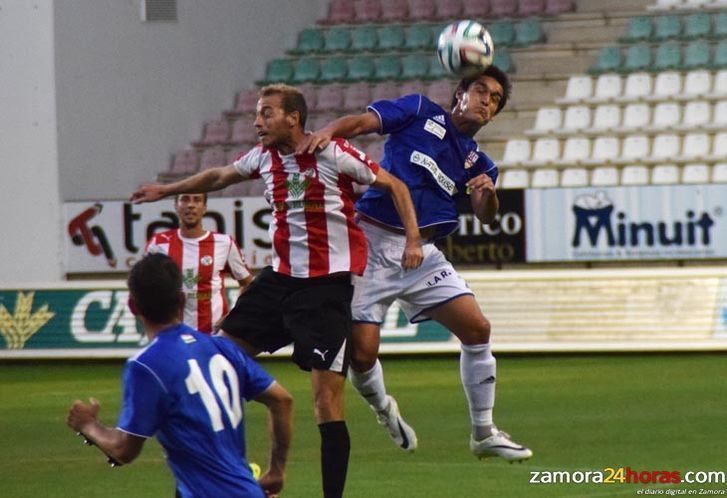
{"points": [[478, 333], [363, 359]]}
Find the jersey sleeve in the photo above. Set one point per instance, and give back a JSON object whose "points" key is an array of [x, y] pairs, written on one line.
{"points": [[354, 163], [248, 165], [236, 262], [142, 411], [485, 165], [396, 114]]}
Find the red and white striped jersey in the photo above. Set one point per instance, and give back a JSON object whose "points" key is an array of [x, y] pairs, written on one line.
{"points": [[313, 229], [202, 261]]}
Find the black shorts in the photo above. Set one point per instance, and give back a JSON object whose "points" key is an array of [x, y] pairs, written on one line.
{"points": [[312, 313]]}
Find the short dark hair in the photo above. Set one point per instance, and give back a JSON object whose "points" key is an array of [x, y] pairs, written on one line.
{"points": [[176, 197], [155, 283], [493, 72], [292, 99]]}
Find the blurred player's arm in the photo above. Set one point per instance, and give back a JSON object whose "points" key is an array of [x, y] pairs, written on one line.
{"points": [[204, 181], [118, 445], [483, 196], [349, 126], [413, 254], [280, 408]]}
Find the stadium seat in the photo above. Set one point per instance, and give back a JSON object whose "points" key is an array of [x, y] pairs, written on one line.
{"points": [[719, 59], [367, 11], [719, 85], [557, 7], [337, 39], [357, 96], [719, 173], [310, 93], [333, 69], [636, 116], [528, 32], [361, 68], [666, 28], [695, 146], [504, 61], [385, 90], [185, 162], [696, 84], [665, 5], [697, 114], [577, 117], [579, 88], [667, 85], [517, 151], [719, 147], [394, 10], [608, 87], [638, 58], [695, 173], [574, 177], [639, 29], [235, 153], [665, 147], [696, 4], [363, 39], [418, 37], [449, 9], [310, 40], [514, 178], [414, 66], [667, 115], [375, 149], [545, 151], [636, 87], [436, 71], [339, 12], [528, 8], [697, 25], [246, 101], [391, 38], [502, 33], [279, 71], [307, 70], [719, 116], [422, 10], [606, 117], [547, 120], [605, 150], [503, 8], [412, 86], [576, 150], [212, 157], [475, 9], [321, 119], [243, 132], [668, 56], [388, 67], [604, 176], [665, 174], [330, 98], [719, 29], [635, 148], [440, 92], [216, 132], [634, 174], [545, 178]]}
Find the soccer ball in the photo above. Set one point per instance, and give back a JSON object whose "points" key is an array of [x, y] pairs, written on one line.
{"points": [[464, 48]]}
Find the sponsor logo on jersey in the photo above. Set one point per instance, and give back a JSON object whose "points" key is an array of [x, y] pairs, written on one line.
{"points": [[296, 186], [471, 159], [426, 162], [206, 260], [190, 279], [188, 338], [435, 129], [438, 278]]}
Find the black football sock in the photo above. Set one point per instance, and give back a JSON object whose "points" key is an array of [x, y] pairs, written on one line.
{"points": [[335, 448]]}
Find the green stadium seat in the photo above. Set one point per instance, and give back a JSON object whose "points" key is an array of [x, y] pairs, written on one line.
{"points": [[337, 39], [502, 33], [310, 40], [609, 59], [279, 70], [719, 60], [333, 69], [419, 37], [364, 39], [666, 28], [388, 67], [719, 30], [436, 71], [697, 25], [361, 68], [414, 67], [504, 61], [668, 56], [638, 58], [307, 70], [391, 38], [528, 32], [697, 54], [638, 29]]}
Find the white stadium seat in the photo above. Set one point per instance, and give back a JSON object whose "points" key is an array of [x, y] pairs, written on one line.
{"points": [[636, 116], [697, 113], [517, 150], [695, 146], [546, 120], [719, 116], [608, 87], [635, 174], [604, 176], [577, 118], [666, 115], [574, 177], [605, 150], [665, 174], [665, 147], [719, 173], [607, 117], [580, 87], [696, 84], [635, 148], [544, 178], [514, 178], [695, 173], [576, 150], [545, 151], [668, 85], [638, 86], [719, 85]]}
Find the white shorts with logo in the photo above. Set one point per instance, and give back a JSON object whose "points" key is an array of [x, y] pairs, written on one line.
{"points": [[434, 283]]}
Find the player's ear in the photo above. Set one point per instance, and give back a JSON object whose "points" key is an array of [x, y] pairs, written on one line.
{"points": [[293, 119], [132, 305]]}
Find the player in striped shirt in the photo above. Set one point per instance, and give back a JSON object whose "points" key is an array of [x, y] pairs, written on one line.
{"points": [[204, 258], [305, 297]]}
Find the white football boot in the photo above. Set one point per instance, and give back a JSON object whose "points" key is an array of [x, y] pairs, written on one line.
{"points": [[499, 445], [400, 432]]}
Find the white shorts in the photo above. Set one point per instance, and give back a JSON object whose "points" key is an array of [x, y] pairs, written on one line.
{"points": [[435, 282]]}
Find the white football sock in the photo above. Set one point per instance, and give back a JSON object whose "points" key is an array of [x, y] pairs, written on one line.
{"points": [[477, 370], [370, 385]]}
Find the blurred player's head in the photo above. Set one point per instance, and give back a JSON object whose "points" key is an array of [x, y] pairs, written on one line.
{"points": [[155, 284], [281, 114], [190, 209], [480, 97]]}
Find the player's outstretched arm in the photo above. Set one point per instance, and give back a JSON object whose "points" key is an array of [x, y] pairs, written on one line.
{"points": [[280, 408], [349, 126], [204, 181], [483, 196], [117, 445], [413, 254]]}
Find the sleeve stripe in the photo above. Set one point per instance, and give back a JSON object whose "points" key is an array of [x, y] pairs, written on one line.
{"points": [[381, 121]]}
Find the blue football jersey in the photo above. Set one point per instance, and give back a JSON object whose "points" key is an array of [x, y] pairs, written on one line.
{"points": [[188, 388], [427, 152]]}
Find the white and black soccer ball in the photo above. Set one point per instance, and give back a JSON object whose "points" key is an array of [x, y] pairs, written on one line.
{"points": [[465, 47]]}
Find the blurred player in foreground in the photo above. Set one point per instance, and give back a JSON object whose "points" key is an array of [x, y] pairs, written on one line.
{"points": [[434, 153], [204, 258], [188, 389], [305, 297]]}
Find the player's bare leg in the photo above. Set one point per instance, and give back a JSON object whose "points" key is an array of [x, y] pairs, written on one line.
{"points": [[328, 389], [367, 376], [463, 317]]}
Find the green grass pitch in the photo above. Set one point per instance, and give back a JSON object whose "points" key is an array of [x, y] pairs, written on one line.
{"points": [[577, 413]]}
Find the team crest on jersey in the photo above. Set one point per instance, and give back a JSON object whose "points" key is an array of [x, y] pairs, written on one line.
{"points": [[471, 159], [190, 279], [296, 186], [206, 260], [188, 338]]}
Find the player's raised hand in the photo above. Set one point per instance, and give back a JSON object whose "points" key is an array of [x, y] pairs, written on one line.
{"points": [[80, 414], [413, 255], [480, 184], [312, 142], [148, 192]]}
